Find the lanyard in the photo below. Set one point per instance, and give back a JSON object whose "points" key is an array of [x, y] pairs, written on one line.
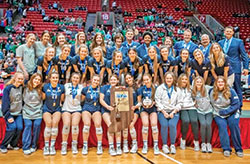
{"points": [[49, 67], [93, 94], [117, 69], [63, 65], [83, 64], [186, 45], [74, 91], [151, 64], [167, 63], [97, 67], [53, 93], [131, 68], [171, 91], [148, 91]]}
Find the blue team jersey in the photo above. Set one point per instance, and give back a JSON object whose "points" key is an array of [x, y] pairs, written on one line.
{"points": [[166, 64], [110, 51], [115, 68], [63, 66], [150, 63], [220, 70], [46, 72], [182, 66], [97, 66], [145, 93], [53, 97], [205, 66], [91, 102], [81, 64], [106, 91], [132, 68]]}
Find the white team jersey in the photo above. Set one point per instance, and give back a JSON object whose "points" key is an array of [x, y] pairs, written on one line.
{"points": [[70, 104]]}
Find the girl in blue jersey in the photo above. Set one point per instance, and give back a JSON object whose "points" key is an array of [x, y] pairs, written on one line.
{"points": [[226, 113], [45, 63], [220, 64], [146, 95], [134, 65], [80, 40], [80, 62], [71, 112], [136, 107], [53, 95], [167, 62], [106, 108], [12, 111], [97, 63], [92, 110], [116, 66], [63, 64], [32, 113], [151, 64], [183, 63]]}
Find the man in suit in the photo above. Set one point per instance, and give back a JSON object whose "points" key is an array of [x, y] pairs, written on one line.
{"points": [[205, 45], [235, 49], [186, 43]]}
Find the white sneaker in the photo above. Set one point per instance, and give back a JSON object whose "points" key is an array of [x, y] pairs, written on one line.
{"points": [[118, 151], [3, 151], [183, 144], [32, 150], [156, 150], [203, 148], [112, 151], [84, 150], [196, 146], [74, 148], [125, 148], [134, 148], [27, 152], [46, 150], [52, 150], [99, 150], [12, 148], [209, 148], [145, 149], [172, 149], [165, 149], [64, 149]]}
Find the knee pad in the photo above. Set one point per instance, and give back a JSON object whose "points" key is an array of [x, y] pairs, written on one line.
{"points": [[154, 129], [65, 130], [85, 129], [54, 131], [125, 132], [47, 132], [75, 129], [98, 130], [144, 129], [133, 133]]}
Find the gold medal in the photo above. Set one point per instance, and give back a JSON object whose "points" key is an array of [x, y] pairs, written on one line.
{"points": [[62, 75], [169, 101], [94, 103], [54, 104], [46, 77]]}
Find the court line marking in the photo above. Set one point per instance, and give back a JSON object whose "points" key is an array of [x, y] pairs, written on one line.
{"points": [[172, 159], [145, 158]]}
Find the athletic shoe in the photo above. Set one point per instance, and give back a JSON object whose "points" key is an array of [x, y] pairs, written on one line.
{"points": [[3, 150], [227, 153], [84, 150], [239, 154], [112, 151], [74, 148], [12, 148], [52, 150], [32, 150], [125, 148], [209, 148], [134, 148], [27, 152], [165, 149], [156, 150], [64, 149], [203, 148], [183, 144], [118, 151], [196, 146], [172, 149], [144, 149], [99, 150], [46, 150]]}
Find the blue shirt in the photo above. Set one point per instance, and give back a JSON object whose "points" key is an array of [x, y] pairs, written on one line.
{"points": [[111, 50], [97, 66], [115, 68], [145, 92], [63, 66], [206, 50], [106, 91], [132, 45], [142, 50], [150, 63], [81, 64], [182, 66], [205, 66], [91, 102], [131, 67], [191, 46], [220, 70], [166, 64], [40, 61], [53, 97]]}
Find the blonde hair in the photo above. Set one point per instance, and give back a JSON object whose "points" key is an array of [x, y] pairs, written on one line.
{"points": [[179, 81], [13, 79], [114, 56], [198, 51], [225, 92], [173, 76], [77, 39], [45, 59], [155, 58], [203, 88], [80, 47], [221, 57], [30, 84], [100, 50]]}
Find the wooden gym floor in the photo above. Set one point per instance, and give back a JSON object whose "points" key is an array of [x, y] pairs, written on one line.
{"points": [[187, 156]]}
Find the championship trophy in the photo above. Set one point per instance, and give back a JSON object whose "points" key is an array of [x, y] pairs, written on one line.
{"points": [[121, 99]]}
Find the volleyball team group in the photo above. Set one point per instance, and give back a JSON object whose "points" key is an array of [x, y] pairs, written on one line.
{"points": [[184, 81]]}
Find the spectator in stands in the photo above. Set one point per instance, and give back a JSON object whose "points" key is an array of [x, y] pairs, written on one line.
{"points": [[177, 8], [79, 22], [25, 13], [9, 15], [205, 45], [235, 49], [55, 5], [10, 63], [114, 5], [50, 6], [197, 30]]}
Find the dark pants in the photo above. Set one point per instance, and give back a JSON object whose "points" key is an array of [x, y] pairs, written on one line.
{"points": [[233, 123], [189, 116], [237, 86], [205, 127], [13, 132]]}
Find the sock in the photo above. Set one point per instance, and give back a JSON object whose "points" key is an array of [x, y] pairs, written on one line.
{"points": [[46, 143], [74, 141], [52, 143], [64, 142], [145, 143], [111, 145], [125, 142], [118, 144], [85, 143], [155, 142], [99, 143], [134, 142]]}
